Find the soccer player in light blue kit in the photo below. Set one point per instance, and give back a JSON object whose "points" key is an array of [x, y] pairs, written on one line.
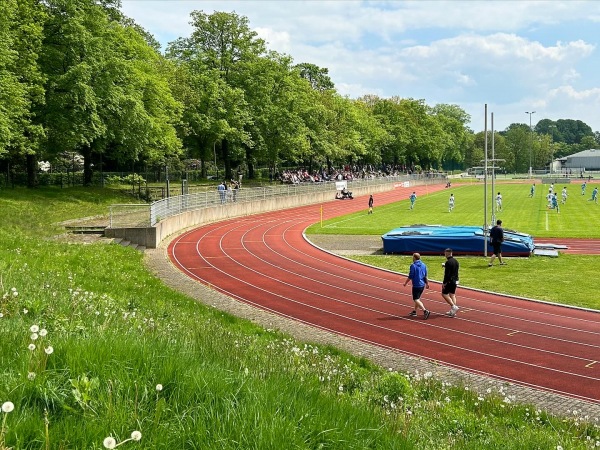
{"points": [[594, 195], [555, 202], [413, 199]]}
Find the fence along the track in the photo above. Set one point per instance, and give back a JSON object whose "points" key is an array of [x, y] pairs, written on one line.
{"points": [[147, 215]]}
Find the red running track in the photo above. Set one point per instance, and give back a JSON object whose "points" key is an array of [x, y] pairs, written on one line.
{"points": [[264, 260]]}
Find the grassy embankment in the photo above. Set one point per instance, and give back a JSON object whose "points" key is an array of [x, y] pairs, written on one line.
{"points": [[93, 346]]}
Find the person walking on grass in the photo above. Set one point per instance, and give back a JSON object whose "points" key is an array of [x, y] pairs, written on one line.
{"points": [[450, 282], [418, 275], [413, 199], [496, 238], [583, 186], [564, 195], [499, 202], [370, 204], [451, 203], [532, 190]]}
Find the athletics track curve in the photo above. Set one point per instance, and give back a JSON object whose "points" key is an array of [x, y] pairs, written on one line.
{"points": [[264, 261]]}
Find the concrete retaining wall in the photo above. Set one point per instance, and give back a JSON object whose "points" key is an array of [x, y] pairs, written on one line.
{"points": [[151, 237]]}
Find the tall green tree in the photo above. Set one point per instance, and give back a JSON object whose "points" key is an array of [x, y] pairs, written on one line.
{"points": [[107, 88], [21, 82], [520, 142], [453, 122], [223, 45]]}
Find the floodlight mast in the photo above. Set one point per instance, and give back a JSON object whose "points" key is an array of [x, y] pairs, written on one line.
{"points": [[530, 142], [485, 168], [493, 169], [493, 174]]}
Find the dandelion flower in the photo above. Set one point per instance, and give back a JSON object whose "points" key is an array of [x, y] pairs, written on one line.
{"points": [[49, 350], [136, 435], [43, 332], [31, 376], [159, 387], [7, 407], [1, 315], [109, 442], [25, 310], [31, 347], [34, 328], [34, 336]]}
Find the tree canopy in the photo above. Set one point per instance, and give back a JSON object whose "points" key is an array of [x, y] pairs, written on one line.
{"points": [[77, 77]]}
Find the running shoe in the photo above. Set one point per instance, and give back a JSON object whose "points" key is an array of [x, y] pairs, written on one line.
{"points": [[412, 313], [426, 314]]}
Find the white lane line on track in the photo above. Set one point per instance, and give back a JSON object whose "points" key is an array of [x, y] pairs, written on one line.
{"points": [[380, 327], [379, 312], [413, 354], [278, 223]]}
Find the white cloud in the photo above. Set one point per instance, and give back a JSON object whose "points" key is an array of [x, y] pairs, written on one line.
{"points": [[515, 56]]}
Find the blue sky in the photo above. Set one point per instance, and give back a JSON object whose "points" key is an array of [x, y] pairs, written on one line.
{"points": [[514, 56]]}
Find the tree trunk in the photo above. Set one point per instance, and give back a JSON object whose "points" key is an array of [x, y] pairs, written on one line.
{"points": [[87, 165], [32, 178], [249, 163], [226, 158]]}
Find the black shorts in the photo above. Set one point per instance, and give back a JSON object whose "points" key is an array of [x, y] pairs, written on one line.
{"points": [[497, 248], [417, 292], [449, 288]]}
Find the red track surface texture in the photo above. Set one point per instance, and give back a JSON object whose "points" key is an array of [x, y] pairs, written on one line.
{"points": [[265, 261]]}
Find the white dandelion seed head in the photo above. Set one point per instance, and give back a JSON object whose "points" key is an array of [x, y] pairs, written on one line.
{"points": [[7, 407], [34, 328], [31, 376], [43, 332], [136, 435], [31, 347], [1, 315], [34, 336], [25, 310], [109, 442], [49, 350], [159, 387]]}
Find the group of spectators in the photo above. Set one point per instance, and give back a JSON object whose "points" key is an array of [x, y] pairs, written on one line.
{"points": [[347, 173], [228, 192]]}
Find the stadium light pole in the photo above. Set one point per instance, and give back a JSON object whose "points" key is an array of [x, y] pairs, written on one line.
{"points": [[530, 141]]}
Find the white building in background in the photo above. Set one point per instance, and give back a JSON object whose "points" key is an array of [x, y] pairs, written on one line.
{"points": [[577, 163], [585, 160]]}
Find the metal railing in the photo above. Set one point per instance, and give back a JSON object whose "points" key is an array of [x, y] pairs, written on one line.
{"points": [[128, 216]]}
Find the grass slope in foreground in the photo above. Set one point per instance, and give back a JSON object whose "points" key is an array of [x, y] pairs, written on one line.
{"points": [[96, 350]]}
